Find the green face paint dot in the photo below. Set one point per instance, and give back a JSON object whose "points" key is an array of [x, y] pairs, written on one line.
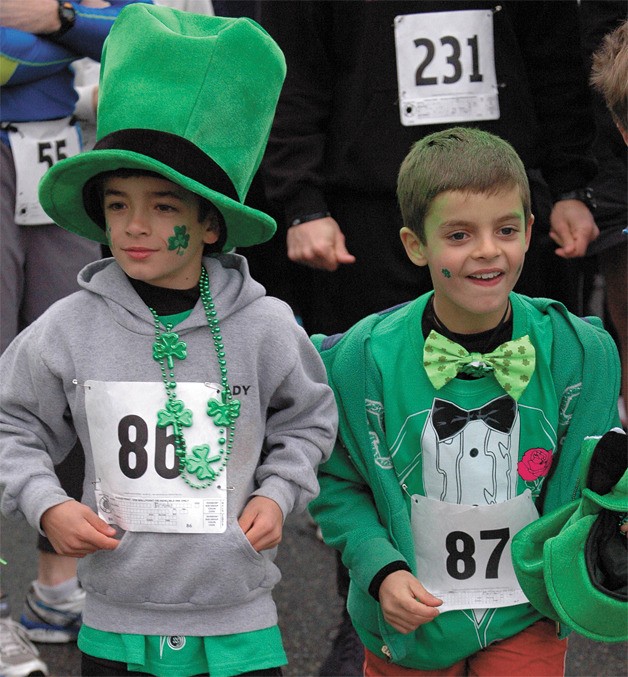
{"points": [[179, 241], [445, 273]]}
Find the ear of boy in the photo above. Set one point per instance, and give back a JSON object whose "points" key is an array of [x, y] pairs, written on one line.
{"points": [[528, 233], [212, 231], [415, 249]]}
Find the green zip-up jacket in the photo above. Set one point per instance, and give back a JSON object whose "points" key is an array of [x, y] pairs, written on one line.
{"points": [[362, 508]]}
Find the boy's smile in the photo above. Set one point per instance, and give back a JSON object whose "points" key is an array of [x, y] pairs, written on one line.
{"points": [[475, 248], [154, 232]]}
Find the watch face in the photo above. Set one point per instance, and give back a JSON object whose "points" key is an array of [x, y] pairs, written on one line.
{"points": [[67, 15]]}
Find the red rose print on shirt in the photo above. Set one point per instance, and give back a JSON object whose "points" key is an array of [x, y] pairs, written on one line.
{"points": [[534, 464], [533, 468]]}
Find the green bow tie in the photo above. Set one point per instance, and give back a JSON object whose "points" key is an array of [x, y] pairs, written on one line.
{"points": [[512, 362]]}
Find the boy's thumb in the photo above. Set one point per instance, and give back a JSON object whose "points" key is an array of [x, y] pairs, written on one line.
{"points": [[100, 525]]}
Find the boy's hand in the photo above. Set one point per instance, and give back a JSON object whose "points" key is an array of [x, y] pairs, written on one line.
{"points": [[406, 604], [75, 530], [262, 523]]}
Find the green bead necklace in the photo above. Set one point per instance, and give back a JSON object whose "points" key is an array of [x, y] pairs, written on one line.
{"points": [[201, 467]]}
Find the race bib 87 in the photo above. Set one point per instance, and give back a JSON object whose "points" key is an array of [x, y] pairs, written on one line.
{"points": [[463, 551]]}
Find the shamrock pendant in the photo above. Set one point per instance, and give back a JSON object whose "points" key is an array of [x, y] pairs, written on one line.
{"points": [[224, 412], [176, 415], [168, 346], [199, 463]]}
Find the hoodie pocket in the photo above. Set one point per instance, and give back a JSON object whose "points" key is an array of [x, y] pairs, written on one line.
{"points": [[197, 569]]}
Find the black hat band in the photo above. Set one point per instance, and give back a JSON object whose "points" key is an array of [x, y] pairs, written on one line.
{"points": [[169, 149], [175, 152]]}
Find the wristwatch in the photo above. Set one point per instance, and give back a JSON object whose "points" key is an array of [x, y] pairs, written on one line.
{"points": [[583, 194], [67, 17], [304, 218]]}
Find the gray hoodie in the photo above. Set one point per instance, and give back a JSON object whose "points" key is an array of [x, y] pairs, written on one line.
{"points": [[169, 583]]}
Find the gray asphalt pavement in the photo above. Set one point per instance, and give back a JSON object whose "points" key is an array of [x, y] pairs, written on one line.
{"points": [[309, 607]]}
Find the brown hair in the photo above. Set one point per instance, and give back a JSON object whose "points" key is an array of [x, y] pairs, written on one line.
{"points": [[609, 73], [460, 158]]}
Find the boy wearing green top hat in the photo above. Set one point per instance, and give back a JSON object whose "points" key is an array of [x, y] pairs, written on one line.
{"points": [[202, 407], [461, 418]]}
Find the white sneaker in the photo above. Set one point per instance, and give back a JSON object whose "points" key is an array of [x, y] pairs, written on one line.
{"points": [[50, 624], [18, 657]]}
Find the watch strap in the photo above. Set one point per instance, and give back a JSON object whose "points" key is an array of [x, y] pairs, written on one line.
{"points": [[309, 217], [585, 195], [67, 17]]}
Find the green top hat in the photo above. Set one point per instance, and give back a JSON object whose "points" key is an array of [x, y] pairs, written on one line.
{"points": [[188, 96], [571, 563]]}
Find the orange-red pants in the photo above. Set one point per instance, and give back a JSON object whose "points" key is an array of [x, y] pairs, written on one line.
{"points": [[534, 652]]}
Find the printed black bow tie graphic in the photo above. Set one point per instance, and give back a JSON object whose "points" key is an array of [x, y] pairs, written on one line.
{"points": [[449, 420]]}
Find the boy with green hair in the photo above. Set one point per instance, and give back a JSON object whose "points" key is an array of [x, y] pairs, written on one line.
{"points": [[202, 406], [461, 416]]}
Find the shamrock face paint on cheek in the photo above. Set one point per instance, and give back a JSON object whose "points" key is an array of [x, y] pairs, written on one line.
{"points": [[445, 273], [179, 241]]}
